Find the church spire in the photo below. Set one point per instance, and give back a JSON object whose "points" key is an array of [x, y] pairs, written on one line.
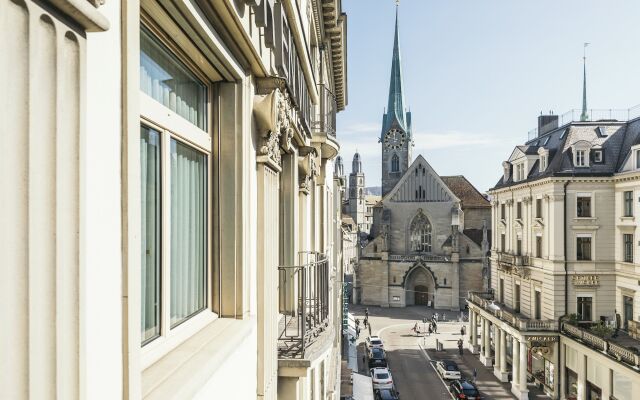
{"points": [[584, 116], [395, 107]]}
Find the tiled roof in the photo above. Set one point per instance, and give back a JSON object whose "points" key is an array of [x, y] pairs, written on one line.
{"points": [[465, 191]]}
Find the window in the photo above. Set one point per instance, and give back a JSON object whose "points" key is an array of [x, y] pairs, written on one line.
{"points": [[520, 174], [627, 243], [583, 248], [543, 163], [519, 246], [502, 211], [174, 183], [420, 229], [516, 298], [501, 290], [538, 304], [395, 163], [581, 158], [628, 203], [597, 156], [538, 208], [584, 307], [637, 159], [503, 242], [519, 210], [539, 246], [583, 207], [168, 81]]}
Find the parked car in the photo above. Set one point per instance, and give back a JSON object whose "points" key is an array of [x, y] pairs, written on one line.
{"points": [[374, 341], [377, 358], [463, 389], [381, 378], [448, 369], [387, 394]]}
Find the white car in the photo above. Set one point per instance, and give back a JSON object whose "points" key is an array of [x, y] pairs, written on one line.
{"points": [[374, 341], [381, 378], [448, 369]]}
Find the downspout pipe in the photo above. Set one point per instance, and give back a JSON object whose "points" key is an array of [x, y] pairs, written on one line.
{"points": [[564, 232]]}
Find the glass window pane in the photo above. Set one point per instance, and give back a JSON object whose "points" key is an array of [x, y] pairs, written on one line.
{"points": [[188, 231], [150, 235], [169, 82]]}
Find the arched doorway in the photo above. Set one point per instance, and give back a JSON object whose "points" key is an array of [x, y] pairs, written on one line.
{"points": [[420, 287], [420, 295]]}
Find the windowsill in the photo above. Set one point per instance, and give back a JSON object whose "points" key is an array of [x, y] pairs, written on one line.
{"points": [[629, 218], [182, 372]]}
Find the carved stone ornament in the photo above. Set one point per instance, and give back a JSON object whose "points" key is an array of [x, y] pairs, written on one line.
{"points": [[271, 147], [307, 171], [585, 280]]}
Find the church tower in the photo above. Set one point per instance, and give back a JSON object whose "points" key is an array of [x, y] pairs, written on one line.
{"points": [[356, 193], [395, 135]]}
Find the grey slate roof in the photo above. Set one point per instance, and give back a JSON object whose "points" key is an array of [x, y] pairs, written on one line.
{"points": [[616, 145]]}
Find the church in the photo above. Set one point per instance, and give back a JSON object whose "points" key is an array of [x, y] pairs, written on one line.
{"points": [[429, 241]]}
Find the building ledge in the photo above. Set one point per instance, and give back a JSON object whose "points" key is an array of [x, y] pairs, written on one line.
{"points": [[183, 372]]}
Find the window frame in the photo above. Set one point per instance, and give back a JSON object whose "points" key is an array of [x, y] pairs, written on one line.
{"points": [[580, 255], [581, 158], [539, 208], [539, 246], [172, 125], [579, 308], [627, 203], [584, 196], [519, 210], [627, 247]]}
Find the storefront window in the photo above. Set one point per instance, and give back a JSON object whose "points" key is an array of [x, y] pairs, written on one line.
{"points": [[572, 385]]}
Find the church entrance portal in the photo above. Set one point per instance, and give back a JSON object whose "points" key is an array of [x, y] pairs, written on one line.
{"points": [[421, 298], [420, 288]]}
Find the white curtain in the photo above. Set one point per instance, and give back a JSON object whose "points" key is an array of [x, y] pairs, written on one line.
{"points": [[150, 235], [188, 222]]}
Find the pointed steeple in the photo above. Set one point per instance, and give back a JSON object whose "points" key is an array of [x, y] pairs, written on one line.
{"points": [[584, 116], [395, 106]]}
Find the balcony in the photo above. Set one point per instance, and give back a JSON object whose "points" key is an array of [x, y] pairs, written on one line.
{"points": [[513, 260], [323, 125], [304, 303], [418, 257], [623, 348], [524, 324]]}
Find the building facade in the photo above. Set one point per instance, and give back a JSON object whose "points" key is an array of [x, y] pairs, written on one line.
{"points": [[563, 307], [429, 237], [179, 196]]}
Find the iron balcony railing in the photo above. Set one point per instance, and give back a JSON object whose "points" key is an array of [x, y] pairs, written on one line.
{"points": [[325, 118], [593, 115], [512, 259], [304, 303]]}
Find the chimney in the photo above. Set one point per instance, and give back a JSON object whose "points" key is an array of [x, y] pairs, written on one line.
{"points": [[547, 123]]}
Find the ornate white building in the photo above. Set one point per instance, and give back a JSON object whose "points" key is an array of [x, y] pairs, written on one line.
{"points": [[168, 191]]}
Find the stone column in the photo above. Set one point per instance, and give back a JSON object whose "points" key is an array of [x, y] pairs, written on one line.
{"points": [[485, 357], [515, 360], [520, 354], [562, 371], [500, 370], [473, 332], [498, 353]]}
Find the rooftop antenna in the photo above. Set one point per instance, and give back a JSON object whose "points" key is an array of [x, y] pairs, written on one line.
{"points": [[584, 116]]}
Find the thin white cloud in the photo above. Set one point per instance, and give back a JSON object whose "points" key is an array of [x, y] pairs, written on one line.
{"points": [[443, 140], [361, 127]]}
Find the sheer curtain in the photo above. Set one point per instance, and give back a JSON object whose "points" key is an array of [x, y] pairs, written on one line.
{"points": [[188, 231], [150, 235]]}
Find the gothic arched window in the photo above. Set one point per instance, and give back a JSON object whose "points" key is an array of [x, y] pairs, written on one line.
{"points": [[420, 233], [395, 163]]}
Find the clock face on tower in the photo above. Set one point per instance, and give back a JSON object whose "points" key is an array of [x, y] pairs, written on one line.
{"points": [[394, 139]]}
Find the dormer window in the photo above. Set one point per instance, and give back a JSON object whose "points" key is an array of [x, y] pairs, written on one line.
{"points": [[602, 131], [597, 156], [544, 159], [581, 151], [581, 158], [520, 173]]}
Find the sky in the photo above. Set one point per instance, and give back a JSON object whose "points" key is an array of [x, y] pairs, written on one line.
{"points": [[477, 73]]}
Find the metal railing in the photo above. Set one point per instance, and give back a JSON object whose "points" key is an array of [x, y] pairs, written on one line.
{"points": [[486, 302], [324, 120], [593, 115], [516, 260], [306, 317]]}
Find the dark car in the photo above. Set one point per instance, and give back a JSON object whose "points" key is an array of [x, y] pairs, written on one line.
{"points": [[387, 394], [465, 390], [377, 358]]}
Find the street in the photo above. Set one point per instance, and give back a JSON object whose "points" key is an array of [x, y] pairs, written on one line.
{"points": [[412, 367]]}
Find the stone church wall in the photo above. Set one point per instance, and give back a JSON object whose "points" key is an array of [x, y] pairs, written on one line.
{"points": [[439, 215], [373, 278], [473, 217]]}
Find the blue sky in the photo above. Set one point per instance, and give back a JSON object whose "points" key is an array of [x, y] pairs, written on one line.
{"points": [[477, 73]]}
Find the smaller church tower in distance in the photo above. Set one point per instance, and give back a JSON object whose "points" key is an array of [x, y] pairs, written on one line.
{"points": [[395, 135], [357, 194]]}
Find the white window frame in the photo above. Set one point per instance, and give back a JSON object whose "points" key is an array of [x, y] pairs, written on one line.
{"points": [[173, 126], [593, 303], [581, 158], [585, 235], [591, 204], [598, 156]]}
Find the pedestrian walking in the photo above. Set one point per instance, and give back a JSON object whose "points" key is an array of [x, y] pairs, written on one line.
{"points": [[435, 327], [460, 346], [475, 375], [366, 321], [462, 331], [415, 329], [430, 330], [366, 313]]}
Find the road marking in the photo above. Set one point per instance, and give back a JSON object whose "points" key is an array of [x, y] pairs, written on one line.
{"points": [[424, 352]]}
